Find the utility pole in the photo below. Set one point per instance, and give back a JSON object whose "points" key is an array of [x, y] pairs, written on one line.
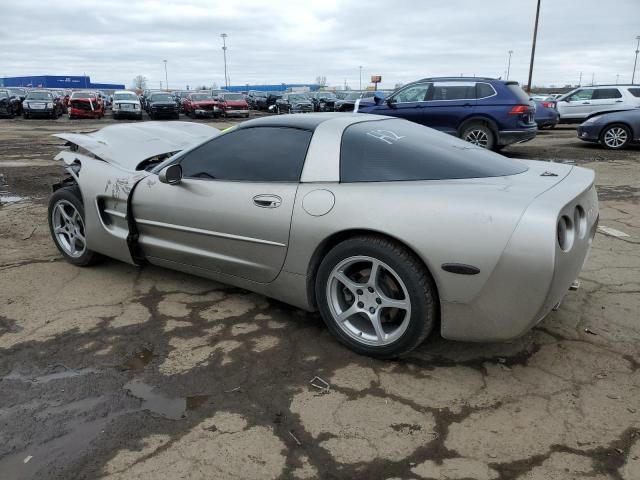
{"points": [[360, 77], [509, 64], [533, 47], [593, 77], [224, 52], [635, 62], [580, 81], [617, 78], [166, 79]]}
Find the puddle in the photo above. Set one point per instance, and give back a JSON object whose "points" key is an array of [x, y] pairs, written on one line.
{"points": [[161, 404], [139, 360], [57, 375]]}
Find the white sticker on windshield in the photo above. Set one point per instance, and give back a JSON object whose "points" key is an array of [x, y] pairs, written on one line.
{"points": [[386, 136]]}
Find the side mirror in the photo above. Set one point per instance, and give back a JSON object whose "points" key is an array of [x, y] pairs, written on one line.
{"points": [[171, 174]]}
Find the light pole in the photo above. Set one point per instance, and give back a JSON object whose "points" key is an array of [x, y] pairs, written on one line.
{"points": [[509, 63], [224, 52], [533, 47], [617, 78], [166, 78], [360, 77], [635, 62]]}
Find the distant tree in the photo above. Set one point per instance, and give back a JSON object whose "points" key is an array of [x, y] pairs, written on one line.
{"points": [[202, 87], [214, 86], [140, 82], [321, 80]]}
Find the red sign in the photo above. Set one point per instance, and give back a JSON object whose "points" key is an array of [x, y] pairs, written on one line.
{"points": [[376, 78]]}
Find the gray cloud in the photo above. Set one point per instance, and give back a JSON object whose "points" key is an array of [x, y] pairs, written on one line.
{"points": [[284, 41]]}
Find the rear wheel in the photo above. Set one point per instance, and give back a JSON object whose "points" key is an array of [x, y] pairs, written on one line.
{"points": [[67, 227], [376, 296], [615, 137], [479, 134]]}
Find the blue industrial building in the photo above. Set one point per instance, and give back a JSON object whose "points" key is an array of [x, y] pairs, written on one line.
{"points": [[57, 81], [281, 87]]}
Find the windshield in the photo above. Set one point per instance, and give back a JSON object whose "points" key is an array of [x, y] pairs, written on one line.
{"points": [[353, 96], [39, 96], [161, 97], [233, 96], [4, 94], [184, 93], [199, 97], [18, 91], [298, 98], [326, 96], [125, 96], [259, 94], [83, 95]]}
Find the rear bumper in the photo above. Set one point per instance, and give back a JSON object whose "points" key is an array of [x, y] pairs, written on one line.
{"points": [[507, 137], [534, 273]]}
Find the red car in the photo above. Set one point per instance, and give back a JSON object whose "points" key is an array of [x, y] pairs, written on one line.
{"points": [[233, 104], [85, 105], [201, 105]]}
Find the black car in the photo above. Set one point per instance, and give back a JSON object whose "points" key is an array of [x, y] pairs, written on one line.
{"points": [[162, 105], [8, 104], [20, 94], [615, 130], [257, 100], [145, 96], [272, 98], [41, 103], [323, 101], [294, 103], [180, 96]]}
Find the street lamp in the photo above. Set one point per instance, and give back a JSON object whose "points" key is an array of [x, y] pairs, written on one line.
{"points": [[533, 47], [224, 52], [360, 77], [509, 63], [166, 79], [635, 62]]}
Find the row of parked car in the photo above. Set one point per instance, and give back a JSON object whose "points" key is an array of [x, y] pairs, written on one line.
{"points": [[52, 103]]}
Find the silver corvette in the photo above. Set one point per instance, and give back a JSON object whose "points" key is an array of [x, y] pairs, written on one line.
{"points": [[388, 228]]}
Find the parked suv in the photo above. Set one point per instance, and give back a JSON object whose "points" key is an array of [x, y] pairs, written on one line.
{"points": [[486, 112], [583, 102]]}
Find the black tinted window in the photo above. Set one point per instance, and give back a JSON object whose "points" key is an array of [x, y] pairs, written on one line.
{"points": [[394, 150], [635, 92], [520, 94], [259, 154], [453, 91], [603, 93], [484, 90]]}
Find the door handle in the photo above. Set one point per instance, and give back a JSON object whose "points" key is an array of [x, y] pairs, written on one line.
{"points": [[267, 201], [586, 103], [618, 101]]}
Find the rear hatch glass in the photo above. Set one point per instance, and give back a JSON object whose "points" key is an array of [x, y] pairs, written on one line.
{"points": [[520, 94]]}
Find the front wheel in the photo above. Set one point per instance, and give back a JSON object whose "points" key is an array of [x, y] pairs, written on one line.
{"points": [[67, 226], [376, 296], [615, 137], [479, 134]]}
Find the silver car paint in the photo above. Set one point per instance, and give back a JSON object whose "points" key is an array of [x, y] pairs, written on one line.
{"points": [[505, 226]]}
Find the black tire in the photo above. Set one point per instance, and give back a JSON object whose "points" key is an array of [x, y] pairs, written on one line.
{"points": [[619, 144], [419, 284], [72, 195], [481, 132], [177, 117], [25, 115]]}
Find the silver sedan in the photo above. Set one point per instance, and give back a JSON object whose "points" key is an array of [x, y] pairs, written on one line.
{"points": [[388, 228]]}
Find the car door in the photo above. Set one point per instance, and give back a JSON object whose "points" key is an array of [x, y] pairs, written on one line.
{"points": [[407, 103], [231, 213], [605, 99], [577, 105], [448, 103]]}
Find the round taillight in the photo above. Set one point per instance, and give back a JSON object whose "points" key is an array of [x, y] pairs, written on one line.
{"points": [[566, 233]]}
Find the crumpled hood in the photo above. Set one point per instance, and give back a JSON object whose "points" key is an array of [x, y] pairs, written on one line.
{"points": [[130, 144]]}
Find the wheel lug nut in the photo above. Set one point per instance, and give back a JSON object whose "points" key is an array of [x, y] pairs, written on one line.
{"points": [[359, 292], [360, 304], [372, 310], [378, 301], [370, 289]]}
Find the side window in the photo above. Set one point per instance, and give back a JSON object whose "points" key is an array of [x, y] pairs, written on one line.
{"points": [[484, 90], [453, 91], [635, 92], [605, 93], [259, 154], [414, 93], [584, 94]]}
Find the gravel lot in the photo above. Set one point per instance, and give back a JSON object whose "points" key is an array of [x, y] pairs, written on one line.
{"points": [[121, 372]]}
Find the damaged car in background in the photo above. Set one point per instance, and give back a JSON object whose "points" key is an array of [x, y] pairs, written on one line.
{"points": [[293, 103], [85, 105], [9, 104], [390, 229], [201, 104], [126, 104]]}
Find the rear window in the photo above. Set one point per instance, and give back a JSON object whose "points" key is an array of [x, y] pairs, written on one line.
{"points": [[604, 93], [635, 92], [520, 94], [399, 150]]}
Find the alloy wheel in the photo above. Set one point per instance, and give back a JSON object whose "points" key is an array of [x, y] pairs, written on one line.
{"points": [[615, 137], [368, 300], [477, 137], [68, 228]]}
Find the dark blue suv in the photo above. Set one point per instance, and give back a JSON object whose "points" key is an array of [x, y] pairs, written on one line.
{"points": [[484, 111]]}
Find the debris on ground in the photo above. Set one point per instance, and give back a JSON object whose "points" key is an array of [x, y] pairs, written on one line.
{"points": [[612, 232], [320, 384]]}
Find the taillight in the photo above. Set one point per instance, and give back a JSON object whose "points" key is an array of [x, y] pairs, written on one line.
{"points": [[549, 104], [520, 109]]}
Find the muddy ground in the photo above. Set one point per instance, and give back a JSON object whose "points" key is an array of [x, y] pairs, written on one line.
{"points": [[121, 372]]}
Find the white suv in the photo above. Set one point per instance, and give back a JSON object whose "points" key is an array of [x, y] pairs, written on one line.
{"points": [[583, 102]]}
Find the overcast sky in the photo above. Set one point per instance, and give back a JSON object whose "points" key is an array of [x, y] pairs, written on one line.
{"points": [[295, 41]]}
